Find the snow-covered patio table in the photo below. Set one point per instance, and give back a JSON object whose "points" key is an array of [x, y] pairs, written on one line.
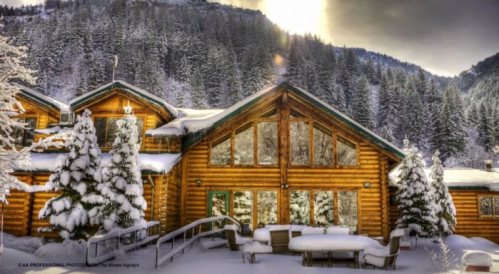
{"points": [[262, 235], [328, 243]]}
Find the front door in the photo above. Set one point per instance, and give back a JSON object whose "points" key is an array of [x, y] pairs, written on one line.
{"points": [[218, 205]]}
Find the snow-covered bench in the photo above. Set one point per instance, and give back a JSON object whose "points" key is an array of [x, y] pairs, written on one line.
{"points": [[477, 261], [255, 248], [233, 238]]}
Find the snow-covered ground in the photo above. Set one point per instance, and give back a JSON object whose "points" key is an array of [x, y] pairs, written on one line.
{"points": [[221, 260]]}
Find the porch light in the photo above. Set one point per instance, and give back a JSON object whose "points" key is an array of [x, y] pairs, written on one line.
{"points": [[284, 185], [367, 185], [199, 182]]}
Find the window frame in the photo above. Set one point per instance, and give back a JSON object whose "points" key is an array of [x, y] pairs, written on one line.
{"points": [[112, 116], [37, 119], [495, 212]]}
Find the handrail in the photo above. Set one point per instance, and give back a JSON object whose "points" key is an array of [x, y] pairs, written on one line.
{"points": [[183, 230], [117, 234]]}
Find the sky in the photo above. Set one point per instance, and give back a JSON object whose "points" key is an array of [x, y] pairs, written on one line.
{"points": [[445, 37]]}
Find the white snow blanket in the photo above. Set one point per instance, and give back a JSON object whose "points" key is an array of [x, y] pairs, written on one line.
{"points": [[160, 163], [256, 248], [262, 234], [312, 231], [25, 244], [297, 227], [477, 258], [328, 242], [188, 120], [337, 230], [279, 227]]}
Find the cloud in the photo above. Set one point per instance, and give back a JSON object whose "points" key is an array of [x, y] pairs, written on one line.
{"points": [[447, 36]]}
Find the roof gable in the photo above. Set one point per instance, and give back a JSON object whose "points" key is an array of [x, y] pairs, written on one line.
{"points": [[41, 99], [87, 98], [194, 130]]}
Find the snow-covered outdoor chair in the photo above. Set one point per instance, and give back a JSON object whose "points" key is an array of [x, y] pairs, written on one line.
{"points": [[254, 248], [339, 256], [295, 230], [476, 261], [279, 238], [234, 239], [384, 257]]}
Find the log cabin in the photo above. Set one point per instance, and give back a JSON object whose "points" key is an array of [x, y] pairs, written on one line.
{"points": [[279, 156]]}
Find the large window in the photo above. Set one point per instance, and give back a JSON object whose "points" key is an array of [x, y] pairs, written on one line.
{"points": [[299, 207], [267, 143], [347, 152], [323, 146], [25, 137], [347, 209], [243, 207], [244, 145], [267, 208], [488, 206], [323, 208], [106, 130], [300, 143], [220, 151]]}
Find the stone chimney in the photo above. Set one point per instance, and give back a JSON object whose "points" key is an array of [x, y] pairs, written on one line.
{"points": [[488, 165]]}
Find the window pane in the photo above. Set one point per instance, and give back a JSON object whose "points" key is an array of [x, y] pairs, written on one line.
{"points": [[112, 127], [496, 205], [323, 146], [140, 129], [29, 132], [218, 206], [244, 150], [347, 209], [220, 151], [18, 133], [347, 152], [300, 143], [267, 208], [100, 130], [243, 207], [323, 208], [267, 143], [299, 207], [486, 206]]}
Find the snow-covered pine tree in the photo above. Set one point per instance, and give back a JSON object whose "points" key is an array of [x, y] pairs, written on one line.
{"points": [[472, 116], [414, 196], [11, 159], [444, 207], [362, 106], [198, 95], [122, 183], [76, 177], [295, 64], [485, 127], [384, 103], [421, 85], [453, 134]]}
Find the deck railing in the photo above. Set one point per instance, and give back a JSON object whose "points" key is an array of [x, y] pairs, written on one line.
{"points": [[192, 227], [119, 240]]}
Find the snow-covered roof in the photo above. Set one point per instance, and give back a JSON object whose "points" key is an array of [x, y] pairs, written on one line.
{"points": [[125, 87], [42, 99], [187, 121], [461, 177], [51, 130], [202, 122], [156, 163]]}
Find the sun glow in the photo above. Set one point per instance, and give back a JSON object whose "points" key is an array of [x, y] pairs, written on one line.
{"points": [[295, 16]]}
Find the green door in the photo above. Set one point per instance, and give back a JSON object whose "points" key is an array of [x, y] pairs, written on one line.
{"points": [[218, 205]]}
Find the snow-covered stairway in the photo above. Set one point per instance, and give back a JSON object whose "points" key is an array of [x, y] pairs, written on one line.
{"points": [[195, 229]]}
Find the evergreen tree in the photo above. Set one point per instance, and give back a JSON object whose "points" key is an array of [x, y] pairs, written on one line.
{"points": [[384, 104], [198, 95], [415, 119], [415, 197], [386, 133], [122, 183], [368, 70], [362, 108], [420, 85], [485, 128], [77, 178], [295, 64], [472, 117], [444, 207], [453, 134]]}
